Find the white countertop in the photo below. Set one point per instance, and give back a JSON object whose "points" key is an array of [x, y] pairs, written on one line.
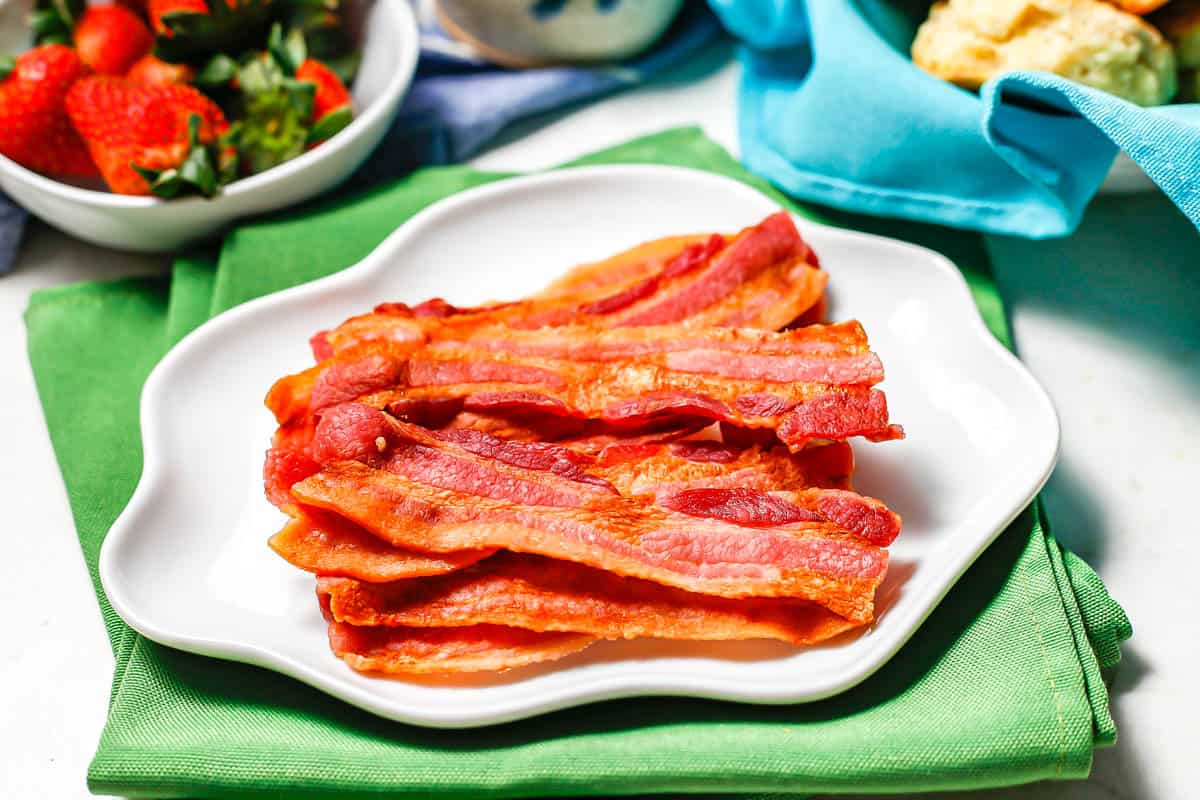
{"points": [[1111, 328]]}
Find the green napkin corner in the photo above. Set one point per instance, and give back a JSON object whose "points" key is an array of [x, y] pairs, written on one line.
{"points": [[1002, 685]]}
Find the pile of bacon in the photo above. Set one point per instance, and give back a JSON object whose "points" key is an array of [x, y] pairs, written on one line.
{"points": [[654, 446]]}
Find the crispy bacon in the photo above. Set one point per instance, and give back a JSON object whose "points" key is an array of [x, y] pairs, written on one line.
{"points": [[479, 488], [761, 278], [518, 427], [730, 273], [800, 348], [289, 460], [491, 477], [666, 470], [425, 651], [866, 517], [450, 503], [629, 267], [597, 437], [749, 507], [546, 473], [542, 594], [658, 467], [811, 383], [615, 309], [640, 464], [326, 544]]}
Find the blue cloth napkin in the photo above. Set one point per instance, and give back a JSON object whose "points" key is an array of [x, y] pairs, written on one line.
{"points": [[12, 226], [833, 110], [459, 101]]}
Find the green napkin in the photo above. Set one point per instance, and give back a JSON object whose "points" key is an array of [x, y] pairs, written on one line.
{"points": [[1001, 685]]}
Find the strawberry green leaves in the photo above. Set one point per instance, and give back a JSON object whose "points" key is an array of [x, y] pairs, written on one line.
{"points": [[203, 171], [321, 23], [330, 124], [193, 36], [219, 70], [53, 21], [289, 52]]}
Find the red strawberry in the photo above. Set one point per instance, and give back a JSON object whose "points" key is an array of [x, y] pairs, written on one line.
{"points": [[136, 6], [331, 101], [331, 95], [153, 71], [110, 38], [134, 131], [34, 128]]}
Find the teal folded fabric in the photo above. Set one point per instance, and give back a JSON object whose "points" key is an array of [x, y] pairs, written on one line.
{"points": [[833, 110]]}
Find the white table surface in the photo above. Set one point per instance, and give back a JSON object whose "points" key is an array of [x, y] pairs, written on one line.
{"points": [[1112, 330]]}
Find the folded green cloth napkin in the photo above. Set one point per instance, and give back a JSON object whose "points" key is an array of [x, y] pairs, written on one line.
{"points": [[1001, 685]]}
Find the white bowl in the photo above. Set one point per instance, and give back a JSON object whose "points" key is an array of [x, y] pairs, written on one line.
{"points": [[387, 35]]}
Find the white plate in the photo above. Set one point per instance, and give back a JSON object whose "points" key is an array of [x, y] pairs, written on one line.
{"points": [[187, 563]]}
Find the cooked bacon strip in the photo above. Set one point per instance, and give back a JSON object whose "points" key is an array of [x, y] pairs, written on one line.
{"points": [[601, 278], [545, 473], [643, 463], [662, 466], [581, 435], [866, 517], [813, 351], [816, 315], [549, 474], [729, 274], [814, 560], [289, 460], [709, 479], [326, 544], [542, 594], [432, 651], [800, 349], [596, 437], [704, 478], [633, 465], [613, 308], [761, 278], [808, 384]]}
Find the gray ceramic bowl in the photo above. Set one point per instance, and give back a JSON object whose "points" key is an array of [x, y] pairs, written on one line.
{"points": [[524, 33]]}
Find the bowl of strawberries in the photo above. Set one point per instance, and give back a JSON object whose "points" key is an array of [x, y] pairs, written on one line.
{"points": [[148, 124]]}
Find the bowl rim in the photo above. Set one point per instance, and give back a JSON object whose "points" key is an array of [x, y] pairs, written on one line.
{"points": [[401, 26]]}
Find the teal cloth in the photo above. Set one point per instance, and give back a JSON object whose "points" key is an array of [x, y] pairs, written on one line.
{"points": [[833, 110]]}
